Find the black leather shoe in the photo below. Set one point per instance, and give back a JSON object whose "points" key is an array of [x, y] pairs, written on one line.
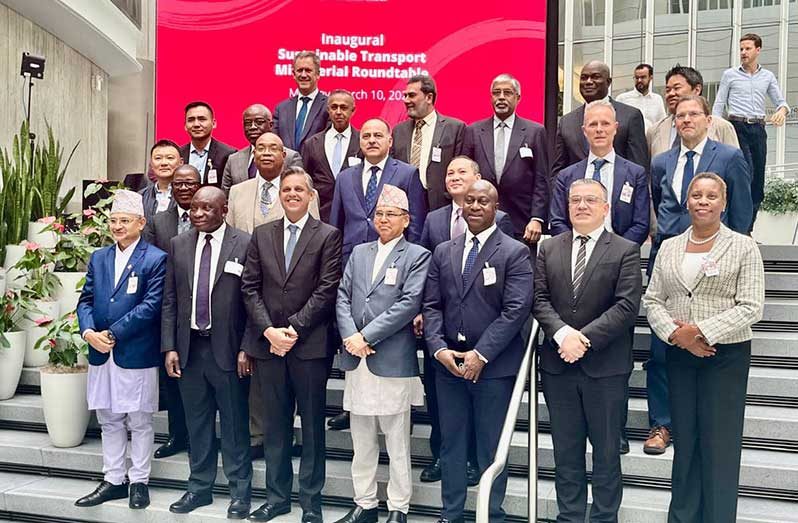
{"points": [[268, 512], [624, 448], [238, 509], [395, 516], [104, 492], [171, 447], [360, 515], [339, 422], [256, 452], [472, 474], [189, 502], [139, 496], [444, 520], [431, 472], [311, 516]]}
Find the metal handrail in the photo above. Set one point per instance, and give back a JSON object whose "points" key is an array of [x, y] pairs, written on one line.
{"points": [[528, 370]]}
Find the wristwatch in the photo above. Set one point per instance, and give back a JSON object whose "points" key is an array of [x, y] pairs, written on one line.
{"points": [[111, 335]]}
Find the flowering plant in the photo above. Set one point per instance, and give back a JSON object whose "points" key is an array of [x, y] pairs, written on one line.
{"points": [[72, 249], [14, 306], [37, 264], [63, 340], [95, 227]]}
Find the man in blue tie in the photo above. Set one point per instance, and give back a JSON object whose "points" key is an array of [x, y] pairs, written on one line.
{"points": [[671, 173], [304, 114]]}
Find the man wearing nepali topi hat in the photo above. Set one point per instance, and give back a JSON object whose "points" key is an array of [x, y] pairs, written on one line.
{"points": [[380, 294], [119, 312]]}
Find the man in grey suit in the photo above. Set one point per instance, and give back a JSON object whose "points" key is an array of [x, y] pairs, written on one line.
{"points": [[588, 286], [240, 165], [380, 294], [202, 325], [571, 145], [428, 140]]}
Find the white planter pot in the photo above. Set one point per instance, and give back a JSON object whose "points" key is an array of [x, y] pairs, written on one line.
{"points": [[47, 239], [775, 229], [38, 357], [14, 278], [66, 411], [11, 363], [2, 281], [68, 295]]}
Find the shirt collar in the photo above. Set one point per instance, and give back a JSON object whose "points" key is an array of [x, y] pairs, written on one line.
{"points": [[742, 69], [508, 122], [699, 149], [181, 211], [610, 157], [482, 237], [367, 165], [168, 190], [217, 235], [299, 223], [129, 250], [261, 180], [430, 118], [332, 132], [312, 96], [593, 235], [388, 246], [193, 149]]}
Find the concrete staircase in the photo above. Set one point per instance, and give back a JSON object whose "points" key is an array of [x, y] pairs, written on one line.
{"points": [[40, 483]]}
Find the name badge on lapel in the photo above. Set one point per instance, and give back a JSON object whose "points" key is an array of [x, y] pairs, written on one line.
{"points": [[233, 267], [710, 267], [526, 152], [436, 154], [132, 284], [391, 274], [489, 275], [353, 160], [626, 193]]}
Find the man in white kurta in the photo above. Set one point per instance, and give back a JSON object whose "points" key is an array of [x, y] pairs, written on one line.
{"points": [[379, 295], [119, 314]]}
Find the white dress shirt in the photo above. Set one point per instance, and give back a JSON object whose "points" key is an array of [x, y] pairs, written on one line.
{"points": [[367, 165], [216, 246], [181, 212], [593, 238], [650, 104], [163, 198], [469, 240], [312, 97], [427, 130], [287, 234], [329, 146], [607, 174], [274, 190], [383, 251], [121, 258], [509, 122], [678, 174]]}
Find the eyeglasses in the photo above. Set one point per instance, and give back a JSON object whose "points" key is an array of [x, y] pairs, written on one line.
{"points": [[121, 221], [507, 93], [184, 185], [590, 200], [692, 114], [390, 215]]}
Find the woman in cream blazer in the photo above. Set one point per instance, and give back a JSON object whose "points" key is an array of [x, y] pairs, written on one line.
{"points": [[706, 290]]}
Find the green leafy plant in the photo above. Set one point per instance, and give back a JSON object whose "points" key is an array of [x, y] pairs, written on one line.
{"points": [[95, 227], [37, 264], [48, 177], [72, 249], [63, 341], [14, 307], [16, 199], [781, 196]]}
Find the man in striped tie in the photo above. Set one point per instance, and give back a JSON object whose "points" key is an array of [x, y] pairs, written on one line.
{"points": [[588, 286]]}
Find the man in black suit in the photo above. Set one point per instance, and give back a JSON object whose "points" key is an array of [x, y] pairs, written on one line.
{"points": [[428, 140], [290, 283], [327, 153], [207, 154], [159, 232], [303, 114], [630, 141], [520, 169], [588, 286], [202, 325]]}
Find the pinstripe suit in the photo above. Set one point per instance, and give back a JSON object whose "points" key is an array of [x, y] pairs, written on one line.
{"points": [[708, 394]]}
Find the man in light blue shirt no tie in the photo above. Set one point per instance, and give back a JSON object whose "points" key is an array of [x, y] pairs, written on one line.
{"points": [[742, 94]]}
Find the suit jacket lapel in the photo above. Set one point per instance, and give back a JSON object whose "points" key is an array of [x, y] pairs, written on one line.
{"points": [[707, 157], [352, 150], [387, 174], [516, 136], [189, 250], [485, 253], [390, 260], [618, 178], [313, 110], [719, 248], [566, 252], [134, 258], [670, 168], [224, 252], [486, 139], [440, 126], [601, 247], [277, 245], [582, 139], [307, 233], [456, 258]]}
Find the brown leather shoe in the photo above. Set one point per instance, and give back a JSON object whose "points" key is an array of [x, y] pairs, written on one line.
{"points": [[659, 438]]}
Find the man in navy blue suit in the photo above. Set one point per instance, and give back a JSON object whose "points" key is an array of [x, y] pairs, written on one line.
{"points": [[119, 312], [357, 189], [305, 113], [626, 182], [671, 173], [477, 298]]}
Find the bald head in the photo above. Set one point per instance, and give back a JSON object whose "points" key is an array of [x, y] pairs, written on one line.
{"points": [[480, 206], [257, 120], [269, 155], [594, 81], [208, 209]]}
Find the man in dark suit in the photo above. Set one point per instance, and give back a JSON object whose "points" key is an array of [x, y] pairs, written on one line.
{"points": [[157, 197], [289, 284], [477, 298], [428, 140], [241, 166], [671, 173], [327, 153], [630, 140], [207, 154], [303, 114], [160, 231], [519, 169], [202, 326], [588, 286], [626, 182], [441, 226], [357, 189]]}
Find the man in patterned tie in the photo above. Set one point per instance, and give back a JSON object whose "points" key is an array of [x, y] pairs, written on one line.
{"points": [[588, 286]]}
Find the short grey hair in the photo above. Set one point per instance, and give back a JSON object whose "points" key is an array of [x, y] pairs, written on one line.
{"points": [[308, 54], [600, 103], [291, 171], [589, 181], [506, 77]]}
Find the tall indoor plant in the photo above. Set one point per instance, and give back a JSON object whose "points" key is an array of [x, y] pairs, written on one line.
{"points": [[16, 199], [14, 306]]}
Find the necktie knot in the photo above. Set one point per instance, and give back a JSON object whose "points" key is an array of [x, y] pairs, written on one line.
{"points": [[208, 238], [583, 239], [501, 125], [305, 99], [475, 242], [184, 218], [690, 154], [339, 137], [419, 124], [293, 229], [598, 163], [375, 169]]}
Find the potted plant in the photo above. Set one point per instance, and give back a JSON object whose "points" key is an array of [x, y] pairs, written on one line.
{"points": [[16, 200], [14, 305], [95, 227], [71, 257], [37, 264], [63, 381], [777, 220]]}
